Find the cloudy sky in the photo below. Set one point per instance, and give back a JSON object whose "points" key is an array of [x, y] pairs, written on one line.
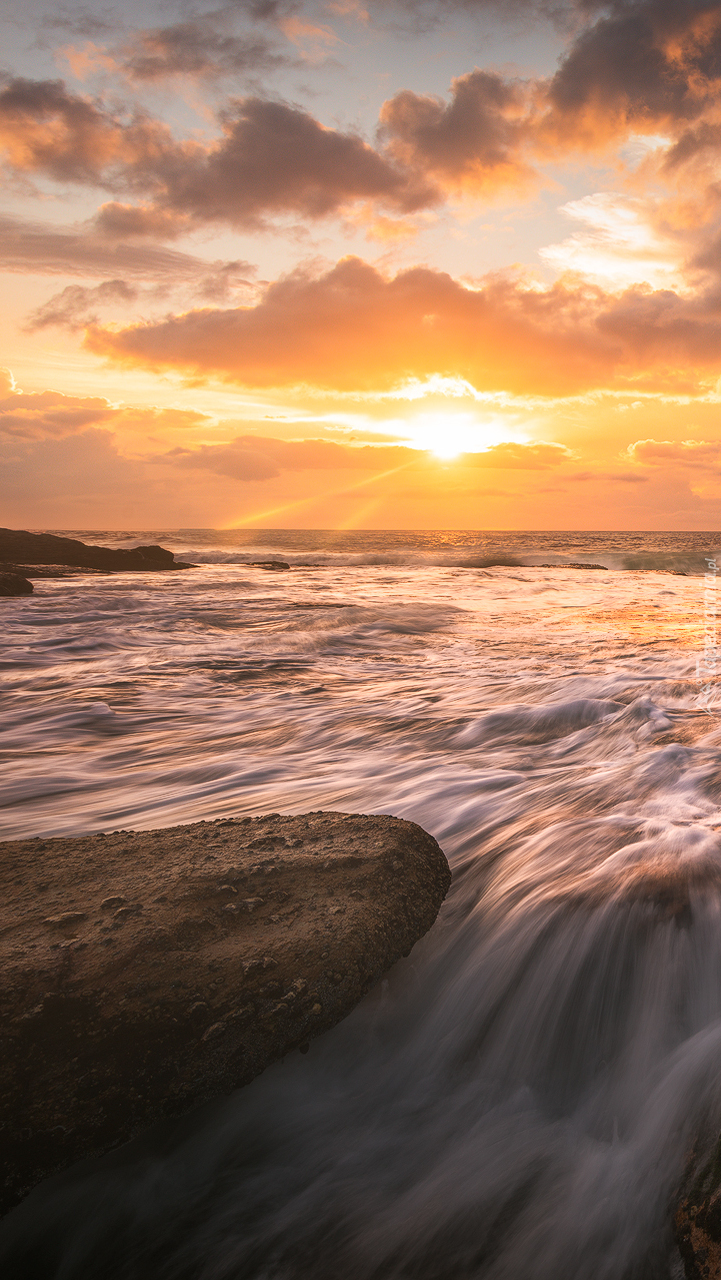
{"points": [[361, 264]]}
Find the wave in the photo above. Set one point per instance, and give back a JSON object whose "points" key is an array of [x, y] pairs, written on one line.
{"points": [[516, 1100], [674, 563], [675, 553]]}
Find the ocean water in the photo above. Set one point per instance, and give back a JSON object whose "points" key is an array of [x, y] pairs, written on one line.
{"points": [[517, 1099]]}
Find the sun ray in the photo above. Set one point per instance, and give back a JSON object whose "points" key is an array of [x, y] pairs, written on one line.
{"points": [[315, 497]]}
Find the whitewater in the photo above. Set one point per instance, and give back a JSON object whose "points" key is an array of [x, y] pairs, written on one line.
{"points": [[517, 1099]]}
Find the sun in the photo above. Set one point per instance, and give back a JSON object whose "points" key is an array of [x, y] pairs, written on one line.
{"points": [[447, 434]]}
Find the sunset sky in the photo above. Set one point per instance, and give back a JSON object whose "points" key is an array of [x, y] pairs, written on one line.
{"points": [[361, 264]]}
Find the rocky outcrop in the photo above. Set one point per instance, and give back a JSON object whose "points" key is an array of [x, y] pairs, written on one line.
{"points": [[698, 1218], [14, 584], [18, 547], [146, 972]]}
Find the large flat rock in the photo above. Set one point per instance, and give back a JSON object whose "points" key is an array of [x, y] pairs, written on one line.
{"points": [[146, 972], [21, 549]]}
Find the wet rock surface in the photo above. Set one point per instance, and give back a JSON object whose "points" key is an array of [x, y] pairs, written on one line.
{"points": [[144, 973], [14, 584], [698, 1219], [20, 548]]}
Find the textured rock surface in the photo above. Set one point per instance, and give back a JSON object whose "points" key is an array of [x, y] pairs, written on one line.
{"points": [[17, 547], [698, 1219], [14, 584], [146, 972]]}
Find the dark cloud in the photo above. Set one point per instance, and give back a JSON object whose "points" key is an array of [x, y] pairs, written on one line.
{"points": [[645, 61], [632, 65], [277, 159], [77, 21], [119, 221], [477, 136], [641, 65], [424, 15], [47, 130], [353, 329], [271, 159], [75, 307], [194, 48]]}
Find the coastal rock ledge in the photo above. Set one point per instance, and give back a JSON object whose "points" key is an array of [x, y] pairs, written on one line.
{"points": [[146, 972]]}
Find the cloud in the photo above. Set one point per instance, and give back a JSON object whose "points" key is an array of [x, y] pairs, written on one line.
{"points": [[272, 159], [634, 66], [313, 40], [685, 453], [618, 243], [353, 329], [47, 130], [658, 325], [40, 248], [642, 64], [473, 142], [36, 415], [75, 307], [519, 457], [194, 48], [116, 220], [248, 458], [277, 159]]}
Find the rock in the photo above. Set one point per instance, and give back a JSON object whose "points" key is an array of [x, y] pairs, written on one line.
{"points": [[19, 547], [14, 584], [269, 564], [698, 1218], [128, 991]]}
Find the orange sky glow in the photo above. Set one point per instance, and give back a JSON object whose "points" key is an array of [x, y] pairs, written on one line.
{"points": [[414, 264]]}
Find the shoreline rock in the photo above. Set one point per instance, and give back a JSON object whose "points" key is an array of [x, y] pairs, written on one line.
{"points": [[20, 549], [144, 973], [14, 584], [697, 1220]]}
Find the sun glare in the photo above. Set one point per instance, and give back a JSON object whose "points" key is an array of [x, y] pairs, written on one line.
{"points": [[449, 434]]}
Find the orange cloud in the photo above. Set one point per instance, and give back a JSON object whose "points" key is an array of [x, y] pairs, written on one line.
{"points": [[40, 414], [261, 457], [685, 453], [354, 329], [519, 457]]}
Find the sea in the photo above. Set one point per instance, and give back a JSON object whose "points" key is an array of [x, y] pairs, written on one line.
{"points": [[516, 1100]]}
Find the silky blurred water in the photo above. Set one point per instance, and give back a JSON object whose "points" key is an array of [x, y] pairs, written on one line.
{"points": [[516, 1101]]}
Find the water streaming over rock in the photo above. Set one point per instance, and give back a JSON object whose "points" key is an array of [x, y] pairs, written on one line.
{"points": [[518, 1098]]}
